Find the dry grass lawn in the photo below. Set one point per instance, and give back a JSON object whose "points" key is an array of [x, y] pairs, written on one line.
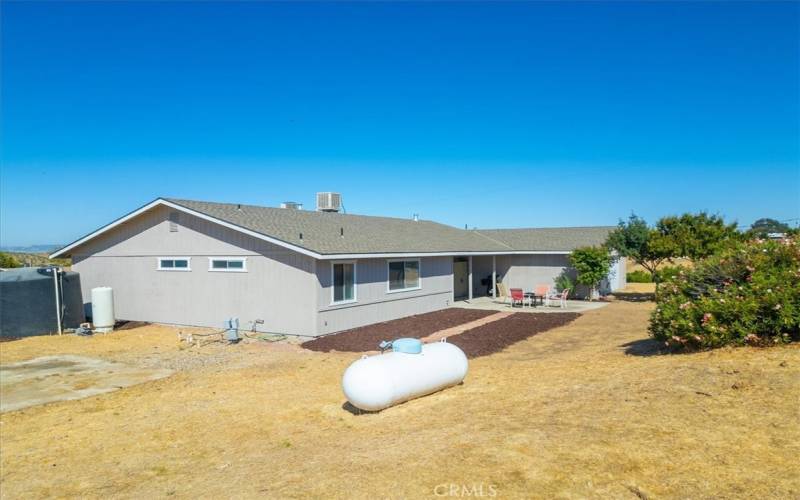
{"points": [[567, 413]]}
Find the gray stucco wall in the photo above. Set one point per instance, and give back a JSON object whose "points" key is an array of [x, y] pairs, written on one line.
{"points": [[277, 287], [528, 271], [617, 278], [519, 271], [374, 303]]}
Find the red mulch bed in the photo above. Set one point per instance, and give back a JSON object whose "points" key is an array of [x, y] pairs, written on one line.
{"points": [[367, 338], [497, 335]]}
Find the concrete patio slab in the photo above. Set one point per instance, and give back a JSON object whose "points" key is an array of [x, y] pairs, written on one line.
{"points": [[67, 377], [490, 304]]}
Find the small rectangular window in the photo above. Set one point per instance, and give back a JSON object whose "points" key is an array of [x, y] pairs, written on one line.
{"points": [[344, 282], [403, 275], [228, 264], [173, 264]]}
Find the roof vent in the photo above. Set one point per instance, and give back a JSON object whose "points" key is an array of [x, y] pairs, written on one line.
{"points": [[174, 220], [329, 202], [292, 205]]}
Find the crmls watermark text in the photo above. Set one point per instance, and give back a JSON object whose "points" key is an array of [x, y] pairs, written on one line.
{"points": [[476, 490]]}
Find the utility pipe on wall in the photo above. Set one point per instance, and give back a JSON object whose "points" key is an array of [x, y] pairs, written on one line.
{"points": [[58, 299]]}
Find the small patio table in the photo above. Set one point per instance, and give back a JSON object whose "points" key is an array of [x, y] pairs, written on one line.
{"points": [[533, 297]]}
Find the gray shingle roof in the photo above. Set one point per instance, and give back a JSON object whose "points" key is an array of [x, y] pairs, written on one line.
{"points": [[335, 233], [550, 238]]}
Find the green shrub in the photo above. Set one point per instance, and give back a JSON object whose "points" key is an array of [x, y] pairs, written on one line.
{"points": [[563, 282], [667, 273], [639, 276], [592, 265], [8, 261], [748, 293]]}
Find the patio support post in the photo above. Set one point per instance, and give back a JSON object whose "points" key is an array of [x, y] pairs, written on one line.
{"points": [[494, 276], [470, 277]]}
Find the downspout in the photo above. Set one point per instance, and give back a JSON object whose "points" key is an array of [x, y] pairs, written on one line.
{"points": [[58, 299]]}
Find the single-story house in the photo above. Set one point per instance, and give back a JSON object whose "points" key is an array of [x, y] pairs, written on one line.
{"points": [[307, 272]]}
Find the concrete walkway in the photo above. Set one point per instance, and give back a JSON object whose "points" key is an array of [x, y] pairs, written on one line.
{"points": [[489, 304], [449, 332]]}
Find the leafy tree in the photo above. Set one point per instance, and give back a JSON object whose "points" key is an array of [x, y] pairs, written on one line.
{"points": [[762, 227], [592, 264], [8, 261], [696, 236], [645, 246]]}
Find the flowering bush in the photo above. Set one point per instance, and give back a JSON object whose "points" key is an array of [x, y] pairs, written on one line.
{"points": [[747, 293]]}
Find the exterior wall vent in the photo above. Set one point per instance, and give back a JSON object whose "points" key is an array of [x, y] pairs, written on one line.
{"points": [[174, 219], [292, 205], [329, 202]]}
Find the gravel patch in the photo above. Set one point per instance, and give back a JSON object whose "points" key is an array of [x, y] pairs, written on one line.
{"points": [[495, 336], [367, 338]]}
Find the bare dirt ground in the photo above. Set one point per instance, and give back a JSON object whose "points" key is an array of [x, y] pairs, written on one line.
{"points": [[585, 410]]}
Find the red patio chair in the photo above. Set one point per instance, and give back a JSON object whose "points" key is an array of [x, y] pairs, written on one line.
{"points": [[517, 297]]}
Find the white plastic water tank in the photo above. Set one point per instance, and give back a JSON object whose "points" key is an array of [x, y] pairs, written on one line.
{"points": [[376, 382], [103, 309]]}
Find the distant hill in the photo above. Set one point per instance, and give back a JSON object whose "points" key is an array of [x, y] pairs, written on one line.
{"points": [[38, 260], [32, 249]]}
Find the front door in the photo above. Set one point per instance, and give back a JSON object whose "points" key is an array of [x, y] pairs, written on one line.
{"points": [[460, 279]]}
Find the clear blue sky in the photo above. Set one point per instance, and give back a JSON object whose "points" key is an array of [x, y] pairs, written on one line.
{"points": [[487, 114]]}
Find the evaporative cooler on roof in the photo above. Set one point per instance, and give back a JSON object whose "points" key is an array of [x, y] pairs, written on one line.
{"points": [[329, 202]]}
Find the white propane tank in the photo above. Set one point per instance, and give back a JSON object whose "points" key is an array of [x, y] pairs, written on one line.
{"points": [[376, 382], [103, 309]]}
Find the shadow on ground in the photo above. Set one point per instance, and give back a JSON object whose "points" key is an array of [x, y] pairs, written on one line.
{"points": [[348, 406], [645, 347], [635, 296]]}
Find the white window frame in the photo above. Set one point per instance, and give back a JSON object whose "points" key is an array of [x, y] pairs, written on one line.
{"points": [[243, 260], [399, 290], [178, 269], [355, 282]]}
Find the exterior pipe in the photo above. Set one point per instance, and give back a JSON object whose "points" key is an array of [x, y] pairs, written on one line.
{"points": [[58, 299]]}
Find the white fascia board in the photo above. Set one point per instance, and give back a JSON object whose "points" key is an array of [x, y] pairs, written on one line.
{"points": [[201, 215], [437, 254]]}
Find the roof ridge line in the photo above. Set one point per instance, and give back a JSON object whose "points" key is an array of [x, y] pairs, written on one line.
{"points": [[304, 211], [544, 228], [478, 231]]}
